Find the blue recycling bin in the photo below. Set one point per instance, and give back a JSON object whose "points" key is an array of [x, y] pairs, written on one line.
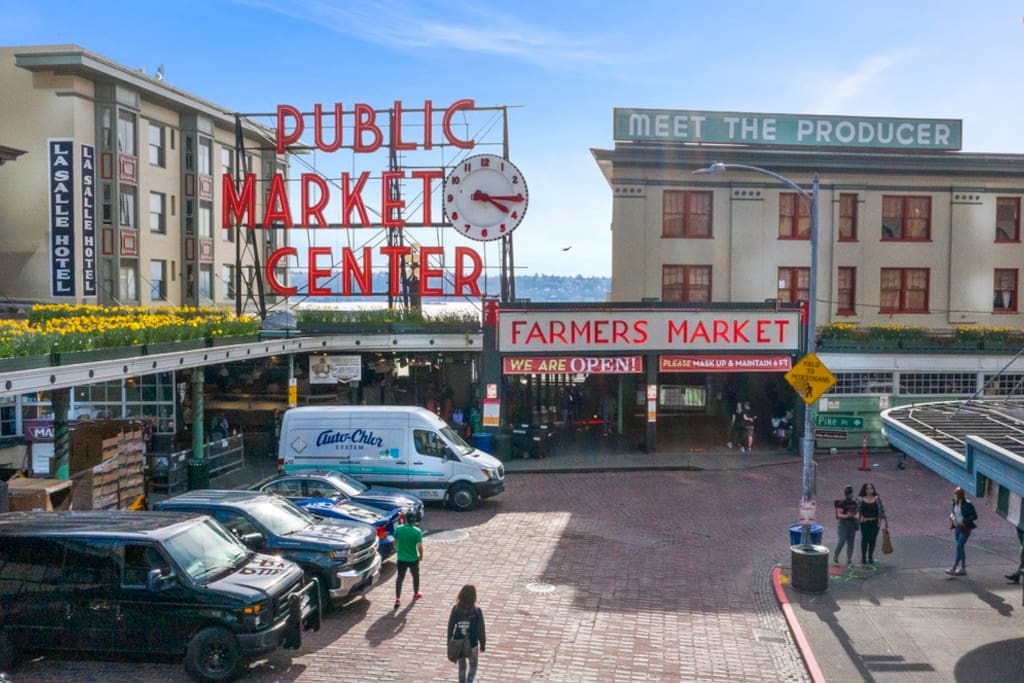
{"points": [[483, 441], [797, 530]]}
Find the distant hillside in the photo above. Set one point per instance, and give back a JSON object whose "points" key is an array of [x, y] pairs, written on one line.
{"points": [[541, 288], [538, 288]]}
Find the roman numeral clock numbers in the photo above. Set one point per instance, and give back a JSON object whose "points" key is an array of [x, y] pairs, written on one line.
{"points": [[485, 197]]}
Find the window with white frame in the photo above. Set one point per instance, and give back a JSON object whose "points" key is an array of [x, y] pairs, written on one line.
{"points": [[158, 280], [157, 212], [157, 155], [227, 276], [205, 219], [129, 281], [205, 282], [126, 207], [205, 157], [126, 132]]}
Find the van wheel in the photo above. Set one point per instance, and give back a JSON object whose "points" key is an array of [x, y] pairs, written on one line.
{"points": [[8, 654], [213, 655], [462, 497]]}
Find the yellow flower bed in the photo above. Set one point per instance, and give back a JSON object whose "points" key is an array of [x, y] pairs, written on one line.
{"points": [[62, 327]]}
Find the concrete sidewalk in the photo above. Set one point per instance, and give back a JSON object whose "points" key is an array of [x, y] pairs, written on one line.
{"points": [[905, 619]]}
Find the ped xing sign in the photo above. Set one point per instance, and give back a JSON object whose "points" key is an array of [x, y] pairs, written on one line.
{"points": [[838, 422], [810, 378]]}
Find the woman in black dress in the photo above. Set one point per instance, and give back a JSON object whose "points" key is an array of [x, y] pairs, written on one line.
{"points": [[870, 512]]}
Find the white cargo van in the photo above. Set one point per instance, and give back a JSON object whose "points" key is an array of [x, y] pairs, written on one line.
{"points": [[398, 446]]}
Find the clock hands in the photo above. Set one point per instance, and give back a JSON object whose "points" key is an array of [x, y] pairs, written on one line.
{"points": [[480, 196]]}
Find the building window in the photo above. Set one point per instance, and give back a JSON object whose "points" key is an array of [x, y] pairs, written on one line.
{"points": [[126, 207], [904, 290], [794, 284], [190, 162], [158, 280], [205, 157], [156, 145], [205, 219], [157, 212], [1007, 219], [205, 282], [1005, 299], [846, 291], [227, 158], [686, 283], [906, 219], [227, 274], [686, 214], [108, 203], [129, 280], [794, 217], [847, 217], [126, 132]]}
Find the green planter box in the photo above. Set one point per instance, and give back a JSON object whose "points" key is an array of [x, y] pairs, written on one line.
{"points": [[24, 363], [174, 346], [93, 355], [228, 341]]}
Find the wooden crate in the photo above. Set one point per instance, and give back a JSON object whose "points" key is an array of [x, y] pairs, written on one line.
{"points": [[114, 483]]}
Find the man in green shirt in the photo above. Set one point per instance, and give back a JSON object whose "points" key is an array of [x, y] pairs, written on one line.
{"points": [[409, 552]]}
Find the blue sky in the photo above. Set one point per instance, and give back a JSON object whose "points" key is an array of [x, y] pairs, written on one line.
{"points": [[567, 65]]}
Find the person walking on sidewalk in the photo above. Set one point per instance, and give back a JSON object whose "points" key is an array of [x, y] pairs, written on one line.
{"points": [[870, 513], [748, 428], [1015, 577], [961, 520], [408, 553], [466, 620], [846, 513], [736, 430]]}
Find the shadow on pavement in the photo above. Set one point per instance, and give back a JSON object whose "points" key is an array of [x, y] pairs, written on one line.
{"points": [[992, 663]]}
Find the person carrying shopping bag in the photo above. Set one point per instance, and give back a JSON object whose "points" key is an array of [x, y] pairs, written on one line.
{"points": [[466, 623]]}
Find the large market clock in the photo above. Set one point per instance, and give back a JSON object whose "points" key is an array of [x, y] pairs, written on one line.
{"points": [[485, 197]]}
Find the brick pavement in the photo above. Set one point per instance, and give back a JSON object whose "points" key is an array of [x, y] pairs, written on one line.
{"points": [[595, 576]]}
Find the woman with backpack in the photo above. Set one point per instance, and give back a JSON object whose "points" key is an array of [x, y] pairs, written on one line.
{"points": [[466, 621], [961, 520]]}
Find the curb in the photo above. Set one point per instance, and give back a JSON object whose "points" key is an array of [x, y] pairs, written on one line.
{"points": [[813, 670]]}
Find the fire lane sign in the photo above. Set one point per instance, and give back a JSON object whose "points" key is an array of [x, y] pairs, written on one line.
{"points": [[810, 378]]}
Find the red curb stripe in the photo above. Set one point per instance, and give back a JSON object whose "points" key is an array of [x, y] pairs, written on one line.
{"points": [[813, 670]]}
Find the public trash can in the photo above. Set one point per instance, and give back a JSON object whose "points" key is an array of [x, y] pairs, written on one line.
{"points": [[797, 530], [483, 441], [809, 563], [502, 446]]}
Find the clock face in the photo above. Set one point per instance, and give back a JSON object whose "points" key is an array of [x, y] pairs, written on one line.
{"points": [[485, 197]]}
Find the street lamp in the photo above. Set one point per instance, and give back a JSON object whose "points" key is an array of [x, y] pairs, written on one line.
{"points": [[807, 442]]}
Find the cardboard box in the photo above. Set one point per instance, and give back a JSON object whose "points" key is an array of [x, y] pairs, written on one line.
{"points": [[27, 494]]}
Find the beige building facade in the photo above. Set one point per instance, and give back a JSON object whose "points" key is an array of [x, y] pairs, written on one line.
{"points": [[914, 233], [117, 198]]}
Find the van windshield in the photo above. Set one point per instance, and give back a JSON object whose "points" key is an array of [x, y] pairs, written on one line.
{"points": [[460, 446], [206, 549]]}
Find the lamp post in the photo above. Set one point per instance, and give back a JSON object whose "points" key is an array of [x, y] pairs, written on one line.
{"points": [[807, 442]]}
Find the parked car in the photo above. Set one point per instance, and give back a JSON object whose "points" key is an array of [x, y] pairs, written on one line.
{"points": [[299, 487], [146, 582], [341, 555], [382, 521]]}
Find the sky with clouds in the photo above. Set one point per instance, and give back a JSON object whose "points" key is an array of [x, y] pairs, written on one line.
{"points": [[565, 66]]}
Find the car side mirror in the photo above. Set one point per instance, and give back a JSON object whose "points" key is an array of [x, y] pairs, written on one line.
{"points": [[157, 581], [254, 541]]}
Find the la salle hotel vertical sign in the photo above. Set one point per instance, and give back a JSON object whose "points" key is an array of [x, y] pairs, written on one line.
{"points": [[61, 169]]}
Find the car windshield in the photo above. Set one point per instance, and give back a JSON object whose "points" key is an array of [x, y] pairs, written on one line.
{"points": [[280, 516], [346, 484], [456, 441], [206, 549]]}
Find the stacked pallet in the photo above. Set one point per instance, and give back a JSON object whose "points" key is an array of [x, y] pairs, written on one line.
{"points": [[116, 479]]}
